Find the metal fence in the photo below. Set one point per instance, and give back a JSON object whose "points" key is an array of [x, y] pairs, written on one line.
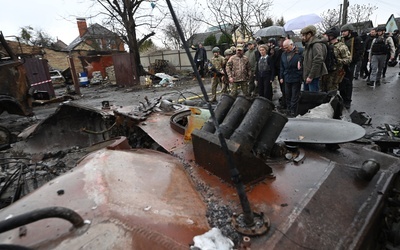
{"points": [[177, 58]]}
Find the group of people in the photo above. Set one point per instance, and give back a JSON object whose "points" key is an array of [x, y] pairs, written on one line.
{"points": [[327, 63]]}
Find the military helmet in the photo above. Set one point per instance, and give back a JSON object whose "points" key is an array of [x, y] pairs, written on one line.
{"points": [[215, 49], [228, 52], [347, 27], [272, 40], [309, 29], [334, 32]]}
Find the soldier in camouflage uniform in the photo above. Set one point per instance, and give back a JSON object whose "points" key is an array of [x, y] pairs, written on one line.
{"points": [[225, 81], [217, 62], [330, 82], [239, 72]]}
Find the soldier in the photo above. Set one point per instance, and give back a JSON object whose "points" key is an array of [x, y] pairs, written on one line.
{"points": [[225, 81], [217, 62], [330, 82], [378, 53], [253, 55], [356, 48], [239, 72]]}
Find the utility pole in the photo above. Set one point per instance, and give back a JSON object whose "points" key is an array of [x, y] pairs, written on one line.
{"points": [[344, 15]]}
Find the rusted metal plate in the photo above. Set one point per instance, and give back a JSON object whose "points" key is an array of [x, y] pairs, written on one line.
{"points": [[71, 125], [312, 130], [157, 127], [14, 87], [134, 199], [317, 204]]}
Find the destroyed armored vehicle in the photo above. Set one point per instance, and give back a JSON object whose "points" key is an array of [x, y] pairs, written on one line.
{"points": [[159, 175]]}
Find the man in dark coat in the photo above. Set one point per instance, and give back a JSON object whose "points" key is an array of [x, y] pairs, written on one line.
{"points": [[291, 74], [200, 59]]}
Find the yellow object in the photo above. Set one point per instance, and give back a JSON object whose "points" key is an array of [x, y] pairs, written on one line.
{"points": [[196, 120]]}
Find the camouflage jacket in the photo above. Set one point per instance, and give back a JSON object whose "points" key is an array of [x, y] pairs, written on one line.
{"points": [[218, 62], [342, 55], [238, 68]]}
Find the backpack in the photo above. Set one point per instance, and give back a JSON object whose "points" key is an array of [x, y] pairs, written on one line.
{"points": [[330, 59]]}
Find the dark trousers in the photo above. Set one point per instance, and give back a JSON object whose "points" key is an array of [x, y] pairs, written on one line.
{"points": [[346, 86], [200, 68], [265, 86], [253, 89], [385, 65], [364, 69], [292, 90]]}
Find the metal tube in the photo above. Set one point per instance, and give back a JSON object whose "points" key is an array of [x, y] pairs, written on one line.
{"points": [[253, 122], [270, 133], [40, 214], [249, 216], [235, 116], [221, 110]]}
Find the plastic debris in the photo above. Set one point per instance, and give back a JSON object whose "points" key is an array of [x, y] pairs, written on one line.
{"points": [[212, 240]]}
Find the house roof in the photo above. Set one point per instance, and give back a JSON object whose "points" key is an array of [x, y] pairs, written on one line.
{"points": [[24, 49], [94, 31], [214, 30], [59, 45], [363, 26], [200, 37]]}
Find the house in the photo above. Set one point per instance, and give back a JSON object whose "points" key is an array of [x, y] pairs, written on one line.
{"points": [[94, 48], [95, 38]]}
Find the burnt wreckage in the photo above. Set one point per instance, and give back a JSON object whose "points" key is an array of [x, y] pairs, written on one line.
{"points": [[154, 177], [144, 185]]}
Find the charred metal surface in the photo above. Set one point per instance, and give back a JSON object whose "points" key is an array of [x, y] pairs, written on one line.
{"points": [[144, 199], [71, 125], [221, 110], [14, 87], [269, 134], [208, 154], [243, 127], [134, 199], [260, 227], [235, 116]]}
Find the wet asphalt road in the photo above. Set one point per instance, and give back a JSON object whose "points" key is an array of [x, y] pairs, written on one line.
{"points": [[381, 102]]}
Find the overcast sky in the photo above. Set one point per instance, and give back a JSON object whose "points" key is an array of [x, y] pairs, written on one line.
{"points": [[58, 17]]}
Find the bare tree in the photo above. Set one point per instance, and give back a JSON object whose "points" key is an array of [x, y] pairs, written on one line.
{"points": [[356, 13], [360, 13], [127, 18], [243, 15], [331, 18], [190, 24]]}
